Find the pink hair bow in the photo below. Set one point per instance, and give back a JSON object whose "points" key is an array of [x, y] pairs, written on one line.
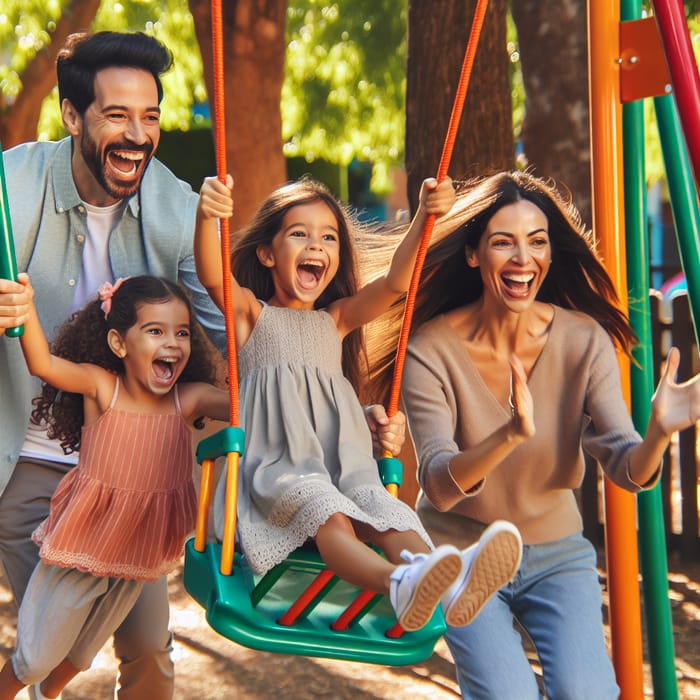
{"points": [[106, 292]]}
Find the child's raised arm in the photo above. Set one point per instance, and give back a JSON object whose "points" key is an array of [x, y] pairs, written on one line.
{"points": [[378, 295], [216, 202], [57, 371]]}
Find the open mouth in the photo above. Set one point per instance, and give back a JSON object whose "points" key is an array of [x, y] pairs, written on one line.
{"points": [[164, 369], [309, 273], [125, 163], [518, 284]]}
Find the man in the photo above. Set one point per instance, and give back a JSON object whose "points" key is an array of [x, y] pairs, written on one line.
{"points": [[91, 208]]}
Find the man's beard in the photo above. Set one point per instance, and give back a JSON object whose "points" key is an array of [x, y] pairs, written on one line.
{"points": [[100, 170]]}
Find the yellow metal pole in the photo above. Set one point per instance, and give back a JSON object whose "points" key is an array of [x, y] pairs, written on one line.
{"points": [[205, 489], [608, 225]]}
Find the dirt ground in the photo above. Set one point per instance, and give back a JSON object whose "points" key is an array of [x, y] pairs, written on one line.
{"points": [[209, 667]]}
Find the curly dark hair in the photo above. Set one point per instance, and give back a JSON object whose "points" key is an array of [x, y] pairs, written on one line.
{"points": [[83, 338]]}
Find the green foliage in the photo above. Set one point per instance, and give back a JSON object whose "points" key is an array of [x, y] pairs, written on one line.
{"points": [[26, 26], [345, 83], [25, 29], [692, 8], [517, 93]]}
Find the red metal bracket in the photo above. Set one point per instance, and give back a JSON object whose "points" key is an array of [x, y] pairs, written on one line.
{"points": [[644, 71]]}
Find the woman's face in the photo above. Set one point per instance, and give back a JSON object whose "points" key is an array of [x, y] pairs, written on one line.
{"points": [[513, 255]]}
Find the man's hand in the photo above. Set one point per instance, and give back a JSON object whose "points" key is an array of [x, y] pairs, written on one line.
{"points": [[15, 301]]}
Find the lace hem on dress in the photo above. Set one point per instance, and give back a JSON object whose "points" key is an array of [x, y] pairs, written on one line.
{"points": [[300, 513]]}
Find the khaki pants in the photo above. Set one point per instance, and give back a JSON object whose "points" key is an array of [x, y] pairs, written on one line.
{"points": [[142, 643], [67, 614]]}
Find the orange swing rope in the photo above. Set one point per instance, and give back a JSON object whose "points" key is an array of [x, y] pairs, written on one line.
{"points": [[233, 457], [448, 147], [363, 599]]}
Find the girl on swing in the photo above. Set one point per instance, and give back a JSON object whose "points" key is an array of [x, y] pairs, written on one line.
{"points": [[308, 471]]}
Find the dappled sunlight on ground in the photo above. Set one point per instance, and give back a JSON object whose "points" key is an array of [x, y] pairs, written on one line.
{"points": [[209, 667]]}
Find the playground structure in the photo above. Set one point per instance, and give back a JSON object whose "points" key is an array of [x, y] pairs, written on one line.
{"points": [[627, 63], [621, 55], [628, 56]]}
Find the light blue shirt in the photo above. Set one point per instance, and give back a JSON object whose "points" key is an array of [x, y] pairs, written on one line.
{"points": [[49, 224]]}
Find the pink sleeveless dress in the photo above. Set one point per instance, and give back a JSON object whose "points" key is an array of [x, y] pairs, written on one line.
{"points": [[128, 506]]}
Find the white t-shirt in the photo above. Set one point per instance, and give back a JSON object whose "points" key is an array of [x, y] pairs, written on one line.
{"points": [[95, 271]]}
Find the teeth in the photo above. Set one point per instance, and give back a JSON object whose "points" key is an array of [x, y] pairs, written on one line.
{"points": [[313, 263], [129, 155], [520, 278]]}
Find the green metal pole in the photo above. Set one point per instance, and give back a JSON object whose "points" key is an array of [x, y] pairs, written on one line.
{"points": [[8, 264], [683, 196], [652, 535]]}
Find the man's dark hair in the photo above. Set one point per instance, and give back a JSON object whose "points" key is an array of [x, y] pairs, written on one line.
{"points": [[85, 53]]}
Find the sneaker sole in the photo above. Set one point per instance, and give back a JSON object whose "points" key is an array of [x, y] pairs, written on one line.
{"points": [[495, 565], [429, 591]]}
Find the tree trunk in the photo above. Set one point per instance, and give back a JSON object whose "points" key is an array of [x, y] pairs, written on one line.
{"points": [[18, 121], [254, 52], [553, 52], [438, 33]]}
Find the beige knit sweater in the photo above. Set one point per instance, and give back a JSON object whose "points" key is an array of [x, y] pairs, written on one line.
{"points": [[578, 404]]}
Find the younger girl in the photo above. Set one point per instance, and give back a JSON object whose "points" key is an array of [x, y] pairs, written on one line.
{"points": [[135, 376], [308, 470]]}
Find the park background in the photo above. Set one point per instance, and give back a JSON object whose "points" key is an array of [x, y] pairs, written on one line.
{"points": [[358, 93]]}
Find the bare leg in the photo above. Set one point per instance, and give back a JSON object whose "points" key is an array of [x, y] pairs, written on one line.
{"points": [[10, 685], [392, 542], [350, 558], [58, 679]]}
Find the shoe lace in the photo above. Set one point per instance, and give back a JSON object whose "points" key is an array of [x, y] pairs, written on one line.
{"points": [[411, 558]]}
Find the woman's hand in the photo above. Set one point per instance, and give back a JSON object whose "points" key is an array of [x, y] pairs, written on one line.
{"points": [[675, 406], [388, 434], [520, 400]]}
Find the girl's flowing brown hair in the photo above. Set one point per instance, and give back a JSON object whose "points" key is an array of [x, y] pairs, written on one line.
{"points": [[266, 224]]}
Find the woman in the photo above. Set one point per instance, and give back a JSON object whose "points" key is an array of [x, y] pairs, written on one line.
{"points": [[512, 372]]}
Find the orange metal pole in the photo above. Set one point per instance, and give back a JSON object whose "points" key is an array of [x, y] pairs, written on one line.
{"points": [[608, 225]]}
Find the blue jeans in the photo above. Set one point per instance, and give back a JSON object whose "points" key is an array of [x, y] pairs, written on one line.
{"points": [[556, 597]]}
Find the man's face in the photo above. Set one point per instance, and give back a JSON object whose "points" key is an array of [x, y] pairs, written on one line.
{"points": [[117, 136]]}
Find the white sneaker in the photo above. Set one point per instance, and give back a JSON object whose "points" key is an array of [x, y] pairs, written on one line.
{"points": [[416, 588], [486, 566], [36, 694]]}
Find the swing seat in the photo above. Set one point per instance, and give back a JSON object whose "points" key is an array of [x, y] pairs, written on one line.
{"points": [[299, 606], [247, 609]]}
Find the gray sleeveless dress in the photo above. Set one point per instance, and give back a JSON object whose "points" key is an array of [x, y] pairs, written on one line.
{"points": [[308, 449]]}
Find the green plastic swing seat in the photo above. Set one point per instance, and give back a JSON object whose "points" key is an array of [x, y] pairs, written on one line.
{"points": [[246, 610]]}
